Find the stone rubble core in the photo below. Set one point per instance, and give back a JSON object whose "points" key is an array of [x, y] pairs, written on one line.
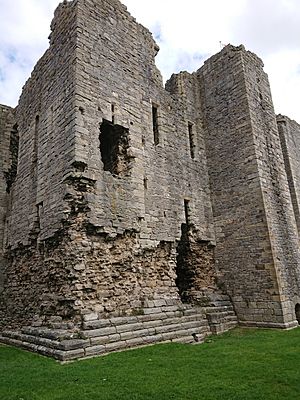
{"points": [[134, 214]]}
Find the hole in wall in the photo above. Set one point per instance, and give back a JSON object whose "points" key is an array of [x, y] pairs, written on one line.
{"points": [[184, 275], [145, 182], [194, 263], [79, 166], [114, 144]]}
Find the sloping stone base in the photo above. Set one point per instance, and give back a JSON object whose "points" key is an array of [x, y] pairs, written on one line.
{"points": [[185, 324]]}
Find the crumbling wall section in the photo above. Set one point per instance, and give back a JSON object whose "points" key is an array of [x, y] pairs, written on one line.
{"points": [[119, 84], [94, 237]]}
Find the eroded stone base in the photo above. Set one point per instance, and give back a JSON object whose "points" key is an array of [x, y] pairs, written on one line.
{"points": [[184, 324]]}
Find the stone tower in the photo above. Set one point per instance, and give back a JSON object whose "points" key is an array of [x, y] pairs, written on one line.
{"points": [[133, 213]]}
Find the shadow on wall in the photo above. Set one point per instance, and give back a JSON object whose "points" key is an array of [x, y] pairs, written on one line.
{"points": [[297, 311]]}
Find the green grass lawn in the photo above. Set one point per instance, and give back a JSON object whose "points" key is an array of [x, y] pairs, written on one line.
{"points": [[242, 364]]}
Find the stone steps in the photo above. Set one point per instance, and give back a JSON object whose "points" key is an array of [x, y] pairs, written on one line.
{"points": [[221, 318], [97, 337]]}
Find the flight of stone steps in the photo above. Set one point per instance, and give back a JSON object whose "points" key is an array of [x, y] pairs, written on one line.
{"points": [[185, 324]]}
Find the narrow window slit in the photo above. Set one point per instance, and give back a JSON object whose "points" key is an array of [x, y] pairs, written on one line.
{"points": [[39, 210], [187, 212], [191, 139], [11, 174], [145, 183], [35, 143], [113, 113], [155, 124]]}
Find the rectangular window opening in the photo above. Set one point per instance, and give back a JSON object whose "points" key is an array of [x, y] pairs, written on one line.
{"points": [[114, 144], [187, 212], [113, 113], [155, 124], [36, 138], [40, 210], [191, 140]]}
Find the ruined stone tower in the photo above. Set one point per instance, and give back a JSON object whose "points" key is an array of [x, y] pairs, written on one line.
{"points": [[133, 213]]}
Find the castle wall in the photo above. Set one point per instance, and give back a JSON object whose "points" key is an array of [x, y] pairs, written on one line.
{"points": [[128, 196], [289, 132], [277, 198], [144, 203], [6, 161], [45, 122], [254, 221], [98, 235], [45, 119], [255, 224], [243, 247]]}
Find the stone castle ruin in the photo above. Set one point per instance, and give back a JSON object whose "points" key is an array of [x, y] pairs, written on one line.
{"points": [[134, 214]]}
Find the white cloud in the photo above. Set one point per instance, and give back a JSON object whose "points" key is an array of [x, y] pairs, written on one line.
{"points": [[24, 29], [187, 33], [270, 28]]}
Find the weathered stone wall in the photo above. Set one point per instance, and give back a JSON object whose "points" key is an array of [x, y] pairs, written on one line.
{"points": [[117, 81], [96, 238], [129, 196], [45, 118], [275, 189], [289, 132], [8, 150], [255, 226]]}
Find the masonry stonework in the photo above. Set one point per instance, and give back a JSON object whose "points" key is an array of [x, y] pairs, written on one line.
{"points": [[132, 213]]}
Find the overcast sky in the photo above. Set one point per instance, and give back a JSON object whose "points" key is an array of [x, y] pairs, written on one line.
{"points": [[187, 32]]}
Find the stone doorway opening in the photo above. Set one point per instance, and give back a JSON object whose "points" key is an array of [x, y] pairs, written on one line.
{"points": [[297, 311]]}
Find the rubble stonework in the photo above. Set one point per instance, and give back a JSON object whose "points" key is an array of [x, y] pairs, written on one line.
{"points": [[133, 213]]}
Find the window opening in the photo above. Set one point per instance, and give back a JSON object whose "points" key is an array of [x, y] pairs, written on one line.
{"points": [[114, 144], [155, 124], [187, 212], [145, 183], [113, 113], [35, 143], [191, 140], [11, 174], [40, 210]]}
